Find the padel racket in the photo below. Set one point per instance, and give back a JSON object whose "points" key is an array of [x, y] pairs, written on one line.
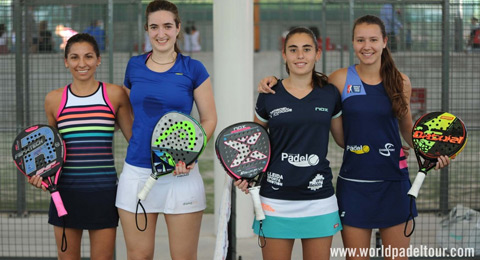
{"points": [[40, 150], [434, 134], [176, 137], [244, 151]]}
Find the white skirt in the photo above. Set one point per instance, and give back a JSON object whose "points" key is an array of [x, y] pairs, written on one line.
{"points": [[169, 195]]}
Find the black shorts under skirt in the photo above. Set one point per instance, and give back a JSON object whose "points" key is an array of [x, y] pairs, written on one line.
{"points": [[86, 210]]}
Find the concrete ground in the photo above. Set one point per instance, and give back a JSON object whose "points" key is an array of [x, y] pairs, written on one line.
{"points": [[30, 237]]}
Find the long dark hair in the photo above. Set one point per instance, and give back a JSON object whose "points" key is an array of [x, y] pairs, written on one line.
{"points": [[318, 79], [162, 5], [391, 76], [82, 37]]}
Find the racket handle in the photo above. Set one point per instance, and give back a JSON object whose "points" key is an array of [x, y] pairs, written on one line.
{"points": [[142, 195], [57, 200], [417, 184], [257, 204]]}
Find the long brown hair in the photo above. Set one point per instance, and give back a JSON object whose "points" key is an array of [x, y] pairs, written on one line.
{"points": [[392, 78], [162, 5], [318, 79]]}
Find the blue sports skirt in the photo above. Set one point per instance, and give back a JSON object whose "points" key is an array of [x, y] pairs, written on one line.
{"points": [[374, 204], [292, 219], [86, 210]]}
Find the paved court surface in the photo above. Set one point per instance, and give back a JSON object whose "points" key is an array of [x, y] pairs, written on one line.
{"points": [[35, 232]]}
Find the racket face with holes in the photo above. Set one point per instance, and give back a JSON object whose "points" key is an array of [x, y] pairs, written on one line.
{"points": [[439, 133], [176, 137], [39, 150], [243, 150]]}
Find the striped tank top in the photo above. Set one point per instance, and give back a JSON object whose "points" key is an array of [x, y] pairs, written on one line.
{"points": [[87, 125]]}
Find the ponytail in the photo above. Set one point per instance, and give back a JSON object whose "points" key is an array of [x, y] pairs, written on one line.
{"points": [[319, 79], [393, 84]]}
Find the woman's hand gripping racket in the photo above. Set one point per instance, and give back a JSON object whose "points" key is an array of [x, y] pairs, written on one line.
{"points": [[176, 137], [40, 150], [244, 151], [434, 134]]}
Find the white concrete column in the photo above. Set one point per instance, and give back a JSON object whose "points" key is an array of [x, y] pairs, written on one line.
{"points": [[232, 83]]}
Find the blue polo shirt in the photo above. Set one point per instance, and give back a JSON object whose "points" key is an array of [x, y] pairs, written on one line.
{"points": [[153, 94]]}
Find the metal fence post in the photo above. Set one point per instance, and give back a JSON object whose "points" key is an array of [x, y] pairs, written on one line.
{"points": [[445, 94], [19, 97], [140, 34], [110, 40], [351, 21], [341, 37], [324, 36]]}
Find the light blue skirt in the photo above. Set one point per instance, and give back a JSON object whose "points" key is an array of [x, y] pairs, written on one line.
{"points": [[298, 219]]}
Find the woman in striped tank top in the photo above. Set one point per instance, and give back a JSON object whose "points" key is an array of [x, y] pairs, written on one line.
{"points": [[86, 113]]}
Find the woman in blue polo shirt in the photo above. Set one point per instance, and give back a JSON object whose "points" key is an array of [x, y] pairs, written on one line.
{"points": [[158, 82]]}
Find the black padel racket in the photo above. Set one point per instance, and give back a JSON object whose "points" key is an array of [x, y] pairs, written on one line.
{"points": [[434, 134], [244, 151], [40, 150], [176, 137]]}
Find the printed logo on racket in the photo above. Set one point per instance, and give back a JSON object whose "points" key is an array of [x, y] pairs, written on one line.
{"points": [[242, 127], [38, 143], [425, 135], [433, 130], [242, 146], [48, 167]]}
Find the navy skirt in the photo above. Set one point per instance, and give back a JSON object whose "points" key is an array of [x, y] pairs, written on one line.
{"points": [[374, 204], [86, 210]]}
